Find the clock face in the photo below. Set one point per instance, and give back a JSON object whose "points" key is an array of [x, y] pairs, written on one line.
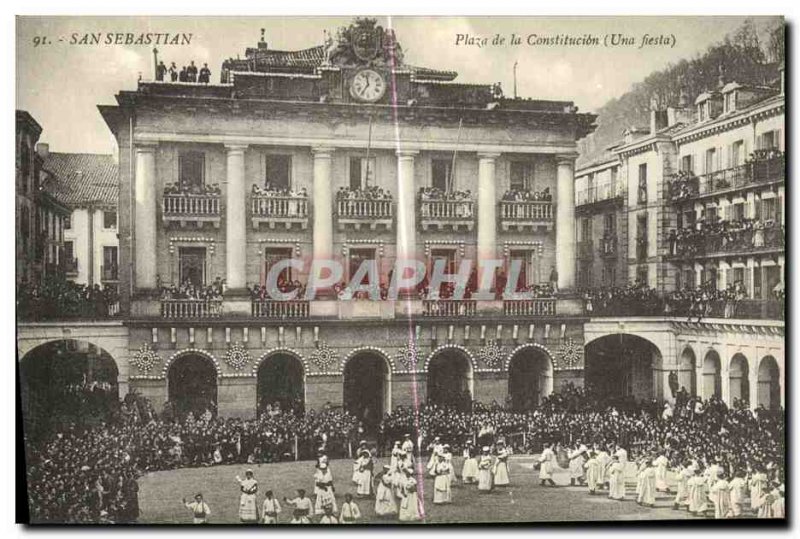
{"points": [[367, 85]]}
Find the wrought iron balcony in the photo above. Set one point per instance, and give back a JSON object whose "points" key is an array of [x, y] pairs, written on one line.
{"points": [[442, 214], [185, 208], [442, 308], [718, 244], [191, 308], [526, 214], [285, 211], [600, 193], [280, 310], [367, 212]]}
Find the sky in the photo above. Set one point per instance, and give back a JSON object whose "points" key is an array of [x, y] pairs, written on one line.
{"points": [[61, 84]]}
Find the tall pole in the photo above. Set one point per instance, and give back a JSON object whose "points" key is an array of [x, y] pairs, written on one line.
{"points": [[155, 63], [515, 80], [369, 146]]}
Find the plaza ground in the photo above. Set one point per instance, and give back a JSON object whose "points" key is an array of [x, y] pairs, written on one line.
{"points": [[524, 501]]}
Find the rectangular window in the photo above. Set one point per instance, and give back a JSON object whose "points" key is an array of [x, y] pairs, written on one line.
{"points": [[356, 257], [522, 176], [711, 160], [641, 274], [273, 255], [192, 265], [769, 209], [737, 153], [109, 219], [610, 224], [738, 212], [362, 173], [769, 140], [441, 174], [686, 163], [67, 222], [643, 183], [191, 168], [69, 251], [526, 272], [586, 229], [278, 175], [110, 272]]}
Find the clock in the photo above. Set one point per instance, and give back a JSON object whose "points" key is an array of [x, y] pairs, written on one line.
{"points": [[367, 85]]}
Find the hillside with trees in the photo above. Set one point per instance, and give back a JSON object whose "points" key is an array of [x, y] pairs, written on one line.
{"points": [[747, 56]]}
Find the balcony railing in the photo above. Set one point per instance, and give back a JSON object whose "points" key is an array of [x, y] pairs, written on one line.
{"points": [[273, 210], [365, 211], [731, 242], [585, 250], [525, 213], [599, 193], [109, 273], [449, 307], [280, 309], [767, 168], [191, 308], [446, 213], [188, 207], [530, 307]]}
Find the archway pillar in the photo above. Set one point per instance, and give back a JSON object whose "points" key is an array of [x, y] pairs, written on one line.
{"points": [[324, 389], [236, 397], [753, 404], [409, 389], [725, 374], [153, 390], [490, 386]]}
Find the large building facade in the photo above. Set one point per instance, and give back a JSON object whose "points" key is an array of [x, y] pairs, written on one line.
{"points": [[345, 151]]}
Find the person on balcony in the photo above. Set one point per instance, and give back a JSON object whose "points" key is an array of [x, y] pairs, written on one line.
{"points": [[205, 75]]}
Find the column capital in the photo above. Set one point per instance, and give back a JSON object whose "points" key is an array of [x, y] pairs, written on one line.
{"points": [[566, 158], [145, 147], [233, 148], [488, 156], [406, 153], [322, 151]]}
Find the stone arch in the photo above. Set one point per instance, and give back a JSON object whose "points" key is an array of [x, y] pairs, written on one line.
{"points": [[444, 382], [64, 380], [687, 370], [622, 366], [281, 385], [711, 374], [367, 392], [769, 383], [738, 378], [530, 378], [190, 351]]}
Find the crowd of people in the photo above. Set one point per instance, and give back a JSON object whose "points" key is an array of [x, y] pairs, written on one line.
{"points": [[56, 297], [192, 188], [371, 192], [189, 290], [723, 235], [188, 73], [88, 473], [524, 195]]}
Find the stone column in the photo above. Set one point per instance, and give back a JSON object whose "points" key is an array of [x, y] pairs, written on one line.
{"points": [[565, 222], [406, 206], [145, 217], [323, 204], [235, 225], [487, 207]]}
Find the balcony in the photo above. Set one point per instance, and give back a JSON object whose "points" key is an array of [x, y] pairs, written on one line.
{"points": [[191, 308], [443, 308], [275, 211], [364, 212], [610, 193], [109, 273], [608, 246], [280, 310], [585, 250], [767, 167], [70, 266], [443, 214], [526, 214], [530, 307], [708, 244], [183, 208]]}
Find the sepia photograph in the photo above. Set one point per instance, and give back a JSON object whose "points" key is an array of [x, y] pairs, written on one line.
{"points": [[386, 270]]}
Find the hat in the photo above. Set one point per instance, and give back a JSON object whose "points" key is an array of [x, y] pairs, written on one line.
{"points": [[407, 435], [485, 449], [249, 470], [362, 442], [385, 466], [501, 442], [198, 494]]}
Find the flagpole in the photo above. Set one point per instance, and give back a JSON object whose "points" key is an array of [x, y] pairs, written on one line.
{"points": [[455, 153]]}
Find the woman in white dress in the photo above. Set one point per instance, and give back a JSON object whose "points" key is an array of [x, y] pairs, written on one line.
{"points": [[592, 472], [385, 504], [364, 478], [501, 478], [409, 506], [270, 509], [441, 485], [323, 489], [248, 510], [737, 488], [577, 457], [546, 464], [469, 470], [485, 465]]}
